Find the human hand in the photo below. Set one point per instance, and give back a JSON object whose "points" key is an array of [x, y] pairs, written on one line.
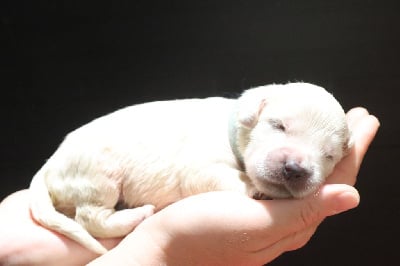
{"points": [[363, 127], [227, 228]]}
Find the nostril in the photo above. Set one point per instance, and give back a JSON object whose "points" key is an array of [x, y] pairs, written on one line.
{"points": [[293, 170]]}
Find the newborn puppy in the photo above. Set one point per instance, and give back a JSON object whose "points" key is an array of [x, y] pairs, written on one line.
{"points": [[277, 141]]}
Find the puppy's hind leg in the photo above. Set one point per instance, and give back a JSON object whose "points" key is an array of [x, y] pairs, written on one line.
{"points": [[107, 223]]}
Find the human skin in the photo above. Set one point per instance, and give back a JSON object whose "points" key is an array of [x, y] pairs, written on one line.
{"points": [[215, 228]]}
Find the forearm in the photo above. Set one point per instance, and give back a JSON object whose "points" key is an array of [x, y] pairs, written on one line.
{"points": [[33, 245], [24, 242]]}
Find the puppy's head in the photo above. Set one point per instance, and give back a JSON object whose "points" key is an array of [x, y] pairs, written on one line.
{"points": [[290, 137]]}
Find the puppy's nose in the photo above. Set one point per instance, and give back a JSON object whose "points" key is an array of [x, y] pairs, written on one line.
{"points": [[293, 171]]}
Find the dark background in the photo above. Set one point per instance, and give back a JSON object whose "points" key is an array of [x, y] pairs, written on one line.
{"points": [[64, 63]]}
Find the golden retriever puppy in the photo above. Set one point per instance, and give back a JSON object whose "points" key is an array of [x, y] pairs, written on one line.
{"points": [[275, 141]]}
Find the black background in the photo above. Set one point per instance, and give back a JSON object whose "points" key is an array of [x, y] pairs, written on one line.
{"points": [[64, 63]]}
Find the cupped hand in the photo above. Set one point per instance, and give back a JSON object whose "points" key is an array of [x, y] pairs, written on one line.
{"points": [[227, 228], [212, 228]]}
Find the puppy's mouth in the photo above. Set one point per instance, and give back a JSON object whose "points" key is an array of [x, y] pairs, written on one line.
{"points": [[278, 187], [273, 191]]}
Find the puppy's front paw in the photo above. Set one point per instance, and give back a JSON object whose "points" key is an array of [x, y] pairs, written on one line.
{"points": [[147, 210]]}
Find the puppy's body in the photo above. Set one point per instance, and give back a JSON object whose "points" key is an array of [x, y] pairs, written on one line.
{"points": [[160, 152], [153, 153]]}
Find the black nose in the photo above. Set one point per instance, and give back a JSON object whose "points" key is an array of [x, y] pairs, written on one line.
{"points": [[292, 171]]}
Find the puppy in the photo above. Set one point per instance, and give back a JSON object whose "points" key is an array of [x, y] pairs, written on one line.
{"points": [[277, 141]]}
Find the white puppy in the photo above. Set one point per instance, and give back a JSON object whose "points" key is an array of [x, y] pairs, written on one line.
{"points": [[278, 141]]}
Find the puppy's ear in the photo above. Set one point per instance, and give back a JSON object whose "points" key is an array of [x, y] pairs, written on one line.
{"points": [[250, 107]]}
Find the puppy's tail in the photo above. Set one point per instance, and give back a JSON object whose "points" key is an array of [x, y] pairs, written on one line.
{"points": [[45, 214]]}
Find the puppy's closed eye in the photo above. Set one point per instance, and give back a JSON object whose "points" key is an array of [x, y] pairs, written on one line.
{"points": [[277, 124], [329, 157], [329, 154]]}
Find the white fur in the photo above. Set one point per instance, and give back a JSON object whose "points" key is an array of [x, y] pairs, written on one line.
{"points": [[156, 153]]}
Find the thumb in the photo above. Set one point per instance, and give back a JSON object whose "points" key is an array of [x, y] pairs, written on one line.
{"points": [[289, 216]]}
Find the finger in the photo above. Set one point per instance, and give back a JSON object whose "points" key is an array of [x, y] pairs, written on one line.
{"points": [[110, 243], [355, 114], [291, 242], [363, 134], [16, 200], [364, 131], [363, 126], [295, 221], [290, 216]]}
